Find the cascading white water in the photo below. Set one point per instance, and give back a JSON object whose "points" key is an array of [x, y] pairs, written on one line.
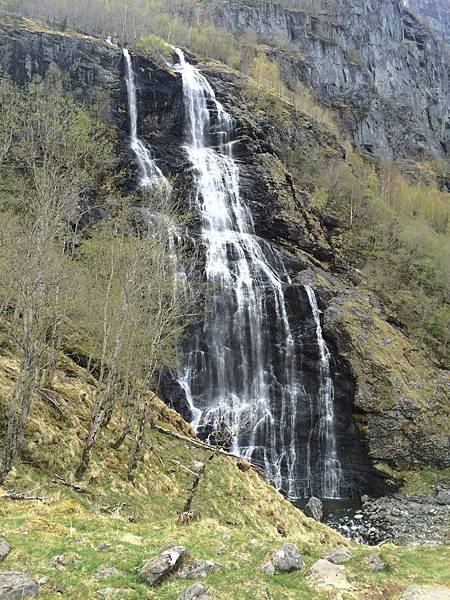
{"points": [[243, 357], [149, 173], [330, 467]]}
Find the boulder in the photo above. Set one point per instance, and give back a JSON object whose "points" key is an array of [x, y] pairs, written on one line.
{"points": [[443, 495], [313, 509], [338, 556], [195, 592], [324, 573], [375, 563], [419, 592], [5, 549], [192, 568], [285, 559], [15, 586], [155, 569]]}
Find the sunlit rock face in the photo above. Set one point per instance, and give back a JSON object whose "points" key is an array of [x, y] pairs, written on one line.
{"points": [[436, 14], [372, 61]]}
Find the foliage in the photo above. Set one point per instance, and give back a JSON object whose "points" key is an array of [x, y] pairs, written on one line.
{"points": [[398, 232]]}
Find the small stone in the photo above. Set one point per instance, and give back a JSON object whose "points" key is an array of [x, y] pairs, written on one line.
{"points": [[105, 572], [338, 556], [375, 563], [268, 568], [15, 586], [418, 592], [443, 496], [192, 568], [5, 549], [324, 573], [155, 569], [313, 508], [114, 592], [195, 592], [58, 562], [104, 547]]}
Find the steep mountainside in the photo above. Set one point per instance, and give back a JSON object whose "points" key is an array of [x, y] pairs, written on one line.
{"points": [[373, 62]]}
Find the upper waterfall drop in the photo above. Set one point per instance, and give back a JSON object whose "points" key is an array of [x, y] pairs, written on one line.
{"points": [[150, 174]]}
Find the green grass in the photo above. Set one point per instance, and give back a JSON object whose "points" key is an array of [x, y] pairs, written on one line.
{"points": [[242, 518]]}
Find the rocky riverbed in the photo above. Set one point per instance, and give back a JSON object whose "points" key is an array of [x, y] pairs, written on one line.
{"points": [[401, 519]]}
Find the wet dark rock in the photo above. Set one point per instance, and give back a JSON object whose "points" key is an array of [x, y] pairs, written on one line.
{"points": [[155, 569], [5, 549], [313, 509], [16, 586]]}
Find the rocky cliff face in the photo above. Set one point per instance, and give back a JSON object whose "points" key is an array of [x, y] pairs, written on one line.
{"points": [[389, 398], [373, 62], [436, 14]]}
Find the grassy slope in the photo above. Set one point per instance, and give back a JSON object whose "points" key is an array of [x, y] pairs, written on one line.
{"points": [[243, 519]]}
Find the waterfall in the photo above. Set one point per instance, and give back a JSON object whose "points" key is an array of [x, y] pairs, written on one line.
{"points": [[243, 357], [329, 465], [149, 174]]}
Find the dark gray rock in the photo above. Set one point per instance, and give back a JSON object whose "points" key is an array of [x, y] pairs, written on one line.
{"points": [[5, 549], [15, 586], [195, 592], [313, 509], [155, 569], [443, 496], [192, 568], [339, 556]]}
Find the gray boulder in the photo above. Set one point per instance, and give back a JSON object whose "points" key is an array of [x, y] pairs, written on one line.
{"points": [[15, 586], [325, 574], [443, 495], [155, 569], [416, 592], [5, 549], [195, 592], [313, 509], [285, 559], [338, 556], [192, 568]]}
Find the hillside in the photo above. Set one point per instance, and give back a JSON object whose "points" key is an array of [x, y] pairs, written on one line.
{"points": [[65, 538], [224, 290]]}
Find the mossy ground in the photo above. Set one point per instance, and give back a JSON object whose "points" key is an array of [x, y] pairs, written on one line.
{"points": [[242, 518]]}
